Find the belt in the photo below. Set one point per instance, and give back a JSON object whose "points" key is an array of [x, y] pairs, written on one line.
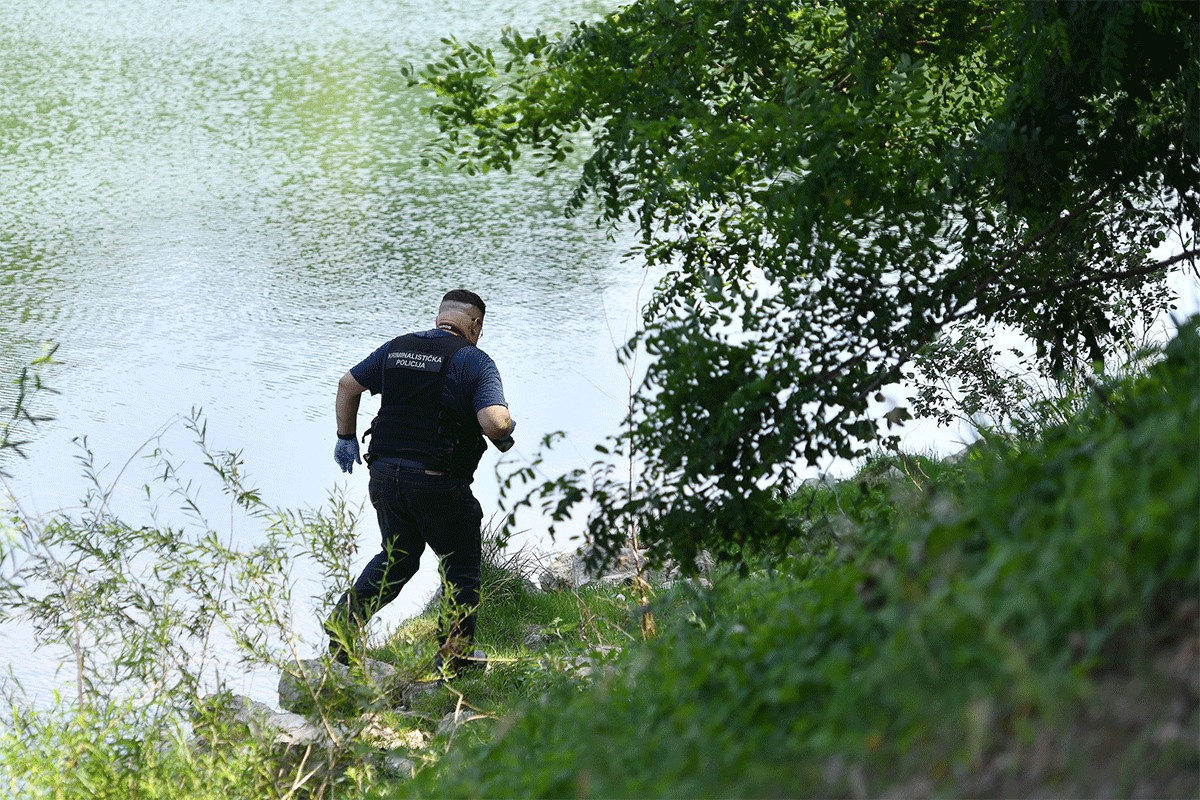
{"points": [[408, 465]]}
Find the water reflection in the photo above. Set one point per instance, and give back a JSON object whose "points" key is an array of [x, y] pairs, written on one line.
{"points": [[221, 204]]}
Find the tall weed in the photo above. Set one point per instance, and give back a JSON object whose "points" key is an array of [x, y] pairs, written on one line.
{"points": [[139, 609]]}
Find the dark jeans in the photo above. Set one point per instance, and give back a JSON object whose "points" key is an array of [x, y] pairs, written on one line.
{"points": [[415, 509]]}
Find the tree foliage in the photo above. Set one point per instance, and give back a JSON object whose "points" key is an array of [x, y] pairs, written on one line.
{"points": [[830, 188]]}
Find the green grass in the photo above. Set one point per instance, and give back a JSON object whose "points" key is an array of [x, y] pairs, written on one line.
{"points": [[118, 752], [923, 626], [996, 625]]}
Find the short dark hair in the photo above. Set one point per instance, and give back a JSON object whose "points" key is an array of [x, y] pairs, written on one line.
{"points": [[465, 296]]}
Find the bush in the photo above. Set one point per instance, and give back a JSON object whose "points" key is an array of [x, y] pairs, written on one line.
{"points": [[907, 640]]}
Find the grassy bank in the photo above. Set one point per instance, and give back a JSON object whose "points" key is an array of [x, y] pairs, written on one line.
{"points": [[1021, 621]]}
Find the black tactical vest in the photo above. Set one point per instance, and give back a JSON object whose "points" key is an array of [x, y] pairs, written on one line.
{"points": [[414, 422]]}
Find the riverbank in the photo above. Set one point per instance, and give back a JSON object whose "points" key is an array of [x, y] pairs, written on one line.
{"points": [[1021, 621]]}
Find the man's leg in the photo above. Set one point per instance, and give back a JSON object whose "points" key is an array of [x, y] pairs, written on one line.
{"points": [[462, 574], [384, 575], [452, 517]]}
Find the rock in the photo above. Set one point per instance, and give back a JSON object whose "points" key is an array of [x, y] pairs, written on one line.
{"points": [[563, 572], [398, 764], [390, 739], [415, 692], [536, 636], [322, 680], [454, 720], [566, 571], [623, 570], [303, 745], [888, 477], [295, 730], [379, 734], [624, 577], [967, 452], [233, 709], [579, 667], [230, 719]]}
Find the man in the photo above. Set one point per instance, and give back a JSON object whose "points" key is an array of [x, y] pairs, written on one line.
{"points": [[441, 396]]}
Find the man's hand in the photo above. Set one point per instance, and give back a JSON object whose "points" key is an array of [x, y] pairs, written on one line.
{"points": [[345, 453], [505, 444], [495, 422]]}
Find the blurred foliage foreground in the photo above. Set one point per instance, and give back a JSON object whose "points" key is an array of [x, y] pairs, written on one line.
{"points": [[1022, 621]]}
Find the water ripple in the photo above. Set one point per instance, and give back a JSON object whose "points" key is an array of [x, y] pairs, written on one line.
{"points": [[221, 204]]}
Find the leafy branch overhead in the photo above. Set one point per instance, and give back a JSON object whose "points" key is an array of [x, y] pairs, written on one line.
{"points": [[830, 188]]}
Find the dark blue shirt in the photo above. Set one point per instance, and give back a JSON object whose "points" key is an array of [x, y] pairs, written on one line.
{"points": [[472, 380]]}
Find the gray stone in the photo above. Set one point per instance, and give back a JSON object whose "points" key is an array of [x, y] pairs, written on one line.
{"points": [[398, 764], [579, 667], [309, 745], [281, 731], [822, 480], [623, 569], [536, 637], [378, 733], [618, 578], [415, 692], [962, 455], [235, 709], [891, 475], [566, 572], [455, 720], [295, 730], [562, 572], [319, 679]]}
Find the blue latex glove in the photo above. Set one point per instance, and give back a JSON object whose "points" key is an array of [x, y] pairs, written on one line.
{"points": [[345, 453]]}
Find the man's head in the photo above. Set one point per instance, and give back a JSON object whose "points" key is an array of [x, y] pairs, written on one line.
{"points": [[464, 297], [462, 311]]}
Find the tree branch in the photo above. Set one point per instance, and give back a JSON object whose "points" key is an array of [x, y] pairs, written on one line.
{"points": [[1057, 225], [881, 376], [1095, 278]]}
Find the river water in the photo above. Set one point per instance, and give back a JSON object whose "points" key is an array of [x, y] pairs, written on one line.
{"points": [[219, 204]]}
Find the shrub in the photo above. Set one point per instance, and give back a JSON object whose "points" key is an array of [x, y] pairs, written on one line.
{"points": [[905, 644]]}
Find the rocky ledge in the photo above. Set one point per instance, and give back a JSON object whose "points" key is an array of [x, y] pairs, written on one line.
{"points": [[334, 715]]}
